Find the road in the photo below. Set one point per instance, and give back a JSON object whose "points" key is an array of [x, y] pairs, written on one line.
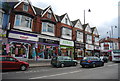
{"points": [[108, 71]]}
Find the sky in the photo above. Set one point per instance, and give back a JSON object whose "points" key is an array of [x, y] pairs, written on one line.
{"points": [[103, 15]]}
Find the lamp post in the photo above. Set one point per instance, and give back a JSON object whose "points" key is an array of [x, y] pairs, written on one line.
{"points": [[84, 33], [112, 35], [84, 14]]}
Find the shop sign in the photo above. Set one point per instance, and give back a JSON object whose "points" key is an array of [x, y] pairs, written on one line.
{"points": [[66, 42], [23, 37], [97, 47], [78, 45]]}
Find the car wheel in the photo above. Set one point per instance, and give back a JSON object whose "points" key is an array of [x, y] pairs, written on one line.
{"points": [[62, 65], [75, 64], [83, 66], [102, 64], [93, 65], [23, 67]]}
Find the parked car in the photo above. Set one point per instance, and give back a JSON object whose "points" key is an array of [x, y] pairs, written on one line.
{"points": [[61, 61], [91, 62], [10, 63], [104, 58]]}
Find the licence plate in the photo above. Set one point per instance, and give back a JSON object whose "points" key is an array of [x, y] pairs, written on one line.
{"points": [[83, 61]]}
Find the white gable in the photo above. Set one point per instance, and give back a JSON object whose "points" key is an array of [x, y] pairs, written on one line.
{"points": [[88, 29], [95, 32], [78, 25], [50, 11], [68, 20]]}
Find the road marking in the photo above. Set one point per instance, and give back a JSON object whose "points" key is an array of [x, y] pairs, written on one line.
{"points": [[56, 75], [112, 65], [4, 73]]}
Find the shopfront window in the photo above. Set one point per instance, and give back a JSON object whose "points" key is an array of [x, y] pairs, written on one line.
{"points": [[19, 50], [23, 21], [47, 52]]}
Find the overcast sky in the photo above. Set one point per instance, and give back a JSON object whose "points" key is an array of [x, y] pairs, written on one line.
{"points": [[103, 15]]}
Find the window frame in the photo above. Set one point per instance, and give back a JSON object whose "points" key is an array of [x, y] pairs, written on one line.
{"points": [[47, 26], [24, 7], [64, 29], [49, 15], [20, 21], [79, 36]]}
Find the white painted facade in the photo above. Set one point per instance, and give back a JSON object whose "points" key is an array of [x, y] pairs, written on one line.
{"points": [[78, 25], [112, 46], [68, 21]]}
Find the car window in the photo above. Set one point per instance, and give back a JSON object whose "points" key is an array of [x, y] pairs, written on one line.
{"points": [[2, 58], [67, 58], [60, 58], [10, 59]]}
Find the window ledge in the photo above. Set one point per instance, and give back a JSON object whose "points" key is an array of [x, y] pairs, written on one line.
{"points": [[23, 28], [48, 33]]}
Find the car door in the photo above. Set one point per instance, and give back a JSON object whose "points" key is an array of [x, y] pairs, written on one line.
{"points": [[98, 61], [11, 63]]}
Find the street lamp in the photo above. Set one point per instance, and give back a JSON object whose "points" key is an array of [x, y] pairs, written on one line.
{"points": [[84, 14], [112, 35], [84, 33]]}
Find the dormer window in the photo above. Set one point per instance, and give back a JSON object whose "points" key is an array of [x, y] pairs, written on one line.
{"points": [[49, 15], [66, 21], [25, 7]]}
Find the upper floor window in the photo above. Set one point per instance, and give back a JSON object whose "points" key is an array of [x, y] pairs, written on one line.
{"points": [[49, 15], [1, 17], [67, 32], [89, 38], [23, 21], [47, 27], [25, 7], [79, 36], [66, 21]]}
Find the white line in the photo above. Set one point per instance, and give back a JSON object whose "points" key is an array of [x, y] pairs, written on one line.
{"points": [[55, 75], [112, 65], [4, 73]]}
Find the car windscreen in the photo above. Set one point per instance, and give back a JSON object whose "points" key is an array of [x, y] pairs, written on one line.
{"points": [[60, 58]]}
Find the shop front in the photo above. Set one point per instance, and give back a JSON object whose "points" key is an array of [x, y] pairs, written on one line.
{"points": [[96, 51], [89, 50], [22, 45], [3, 41], [67, 48], [79, 50], [48, 47]]}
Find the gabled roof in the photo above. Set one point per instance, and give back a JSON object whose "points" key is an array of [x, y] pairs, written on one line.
{"points": [[62, 16], [93, 28], [85, 25], [45, 10], [74, 22], [28, 2], [38, 10]]}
